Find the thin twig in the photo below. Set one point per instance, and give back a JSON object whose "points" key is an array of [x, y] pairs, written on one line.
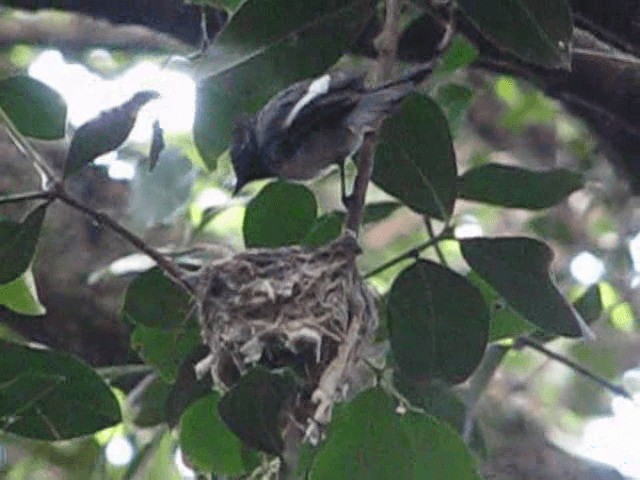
{"points": [[169, 267], [411, 253], [432, 234], [382, 379], [612, 387], [478, 385], [53, 189], [118, 371], [47, 174], [25, 197], [387, 45], [361, 184], [136, 393]]}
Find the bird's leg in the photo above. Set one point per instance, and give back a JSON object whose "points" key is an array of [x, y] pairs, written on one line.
{"points": [[346, 199]]}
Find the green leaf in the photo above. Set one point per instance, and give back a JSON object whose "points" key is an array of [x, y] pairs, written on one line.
{"points": [[18, 243], [438, 323], [518, 269], [251, 409], [34, 108], [438, 452], [375, 212], [515, 187], [365, 440], [228, 5], [281, 214], [329, 226], [325, 229], [439, 401], [551, 228], [48, 395], [187, 388], [460, 53], [505, 322], [104, 133], [21, 295], [538, 32], [207, 442], [147, 409], [415, 160], [165, 349], [160, 459], [454, 99], [265, 46], [153, 300], [589, 304], [529, 108]]}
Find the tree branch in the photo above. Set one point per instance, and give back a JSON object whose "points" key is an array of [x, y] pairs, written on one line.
{"points": [[53, 189], [414, 252], [169, 267], [387, 45], [432, 234], [173, 17], [47, 174], [521, 342], [25, 197]]}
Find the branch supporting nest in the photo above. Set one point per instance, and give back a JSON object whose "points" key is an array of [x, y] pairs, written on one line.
{"points": [[387, 45]]}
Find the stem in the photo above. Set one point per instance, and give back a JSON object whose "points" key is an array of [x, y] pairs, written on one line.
{"points": [[46, 173], [612, 387], [169, 267], [411, 253], [361, 184], [53, 189], [382, 379], [387, 45], [478, 385], [431, 232], [24, 197], [119, 371]]}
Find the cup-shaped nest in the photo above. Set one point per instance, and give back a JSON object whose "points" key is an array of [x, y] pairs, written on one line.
{"points": [[307, 309]]}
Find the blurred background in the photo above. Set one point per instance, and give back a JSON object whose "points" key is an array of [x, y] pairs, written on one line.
{"points": [[82, 272]]}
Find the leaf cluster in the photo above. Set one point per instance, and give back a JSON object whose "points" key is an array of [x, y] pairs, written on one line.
{"points": [[439, 320]]}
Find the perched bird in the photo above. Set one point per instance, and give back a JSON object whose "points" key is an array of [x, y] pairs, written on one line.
{"points": [[314, 124]]}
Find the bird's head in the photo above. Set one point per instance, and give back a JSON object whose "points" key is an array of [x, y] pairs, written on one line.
{"points": [[245, 154]]}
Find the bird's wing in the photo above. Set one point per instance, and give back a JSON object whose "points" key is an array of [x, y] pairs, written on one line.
{"points": [[329, 108], [308, 105], [270, 118], [375, 105]]}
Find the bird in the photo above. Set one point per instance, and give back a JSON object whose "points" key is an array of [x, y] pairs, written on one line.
{"points": [[313, 124]]}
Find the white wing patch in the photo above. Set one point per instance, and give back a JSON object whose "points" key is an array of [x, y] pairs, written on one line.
{"points": [[320, 86]]}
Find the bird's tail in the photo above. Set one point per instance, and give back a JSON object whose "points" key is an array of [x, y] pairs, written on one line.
{"points": [[377, 104], [384, 99], [413, 76]]}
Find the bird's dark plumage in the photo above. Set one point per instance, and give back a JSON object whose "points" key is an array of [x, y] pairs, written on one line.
{"points": [[313, 124]]}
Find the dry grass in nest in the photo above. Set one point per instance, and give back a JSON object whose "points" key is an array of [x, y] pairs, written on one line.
{"points": [[289, 307]]}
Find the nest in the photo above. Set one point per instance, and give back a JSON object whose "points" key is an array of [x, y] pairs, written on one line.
{"points": [[289, 307]]}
